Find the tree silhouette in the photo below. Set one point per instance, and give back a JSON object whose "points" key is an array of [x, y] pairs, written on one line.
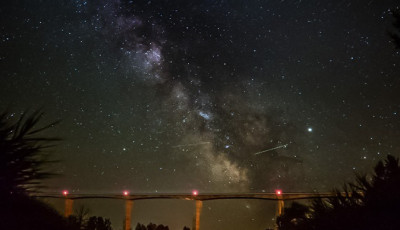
{"points": [[162, 227], [98, 223], [82, 214], [73, 223], [79, 219], [21, 153], [151, 226], [294, 217], [140, 227], [368, 203]]}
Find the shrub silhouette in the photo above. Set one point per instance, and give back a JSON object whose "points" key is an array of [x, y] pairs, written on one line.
{"points": [[22, 155], [366, 204], [21, 172]]}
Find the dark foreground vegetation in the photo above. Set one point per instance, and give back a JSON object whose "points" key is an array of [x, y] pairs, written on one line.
{"points": [[152, 226], [23, 158], [368, 203], [22, 161]]}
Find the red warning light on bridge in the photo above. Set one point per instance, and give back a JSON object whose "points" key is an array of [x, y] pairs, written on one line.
{"points": [[125, 192], [278, 192], [195, 192], [65, 192]]}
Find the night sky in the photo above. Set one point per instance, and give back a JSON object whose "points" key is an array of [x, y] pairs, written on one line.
{"points": [[219, 96]]}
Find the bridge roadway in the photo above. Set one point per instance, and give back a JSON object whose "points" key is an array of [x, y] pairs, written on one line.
{"points": [[200, 197]]}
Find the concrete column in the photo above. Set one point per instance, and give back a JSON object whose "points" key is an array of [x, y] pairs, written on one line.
{"points": [[128, 214], [281, 206], [68, 207], [199, 205]]}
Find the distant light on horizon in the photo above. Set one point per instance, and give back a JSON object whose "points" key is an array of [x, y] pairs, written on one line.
{"points": [[195, 192], [278, 192], [65, 192], [125, 192]]}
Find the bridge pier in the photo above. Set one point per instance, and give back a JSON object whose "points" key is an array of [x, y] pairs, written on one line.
{"points": [[68, 207], [128, 214], [280, 207], [199, 205]]}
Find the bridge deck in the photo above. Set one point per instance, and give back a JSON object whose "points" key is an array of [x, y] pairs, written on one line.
{"points": [[202, 197]]}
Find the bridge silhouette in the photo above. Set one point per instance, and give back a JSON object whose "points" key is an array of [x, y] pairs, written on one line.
{"points": [[278, 196]]}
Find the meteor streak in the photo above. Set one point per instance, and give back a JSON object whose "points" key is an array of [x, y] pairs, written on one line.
{"points": [[267, 150]]}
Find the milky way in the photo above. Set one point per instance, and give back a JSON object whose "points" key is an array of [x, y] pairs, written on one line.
{"points": [[209, 104]]}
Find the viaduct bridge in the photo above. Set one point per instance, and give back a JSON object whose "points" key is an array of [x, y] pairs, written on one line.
{"points": [[278, 196]]}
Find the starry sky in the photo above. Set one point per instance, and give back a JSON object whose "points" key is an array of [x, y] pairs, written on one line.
{"points": [[219, 96]]}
